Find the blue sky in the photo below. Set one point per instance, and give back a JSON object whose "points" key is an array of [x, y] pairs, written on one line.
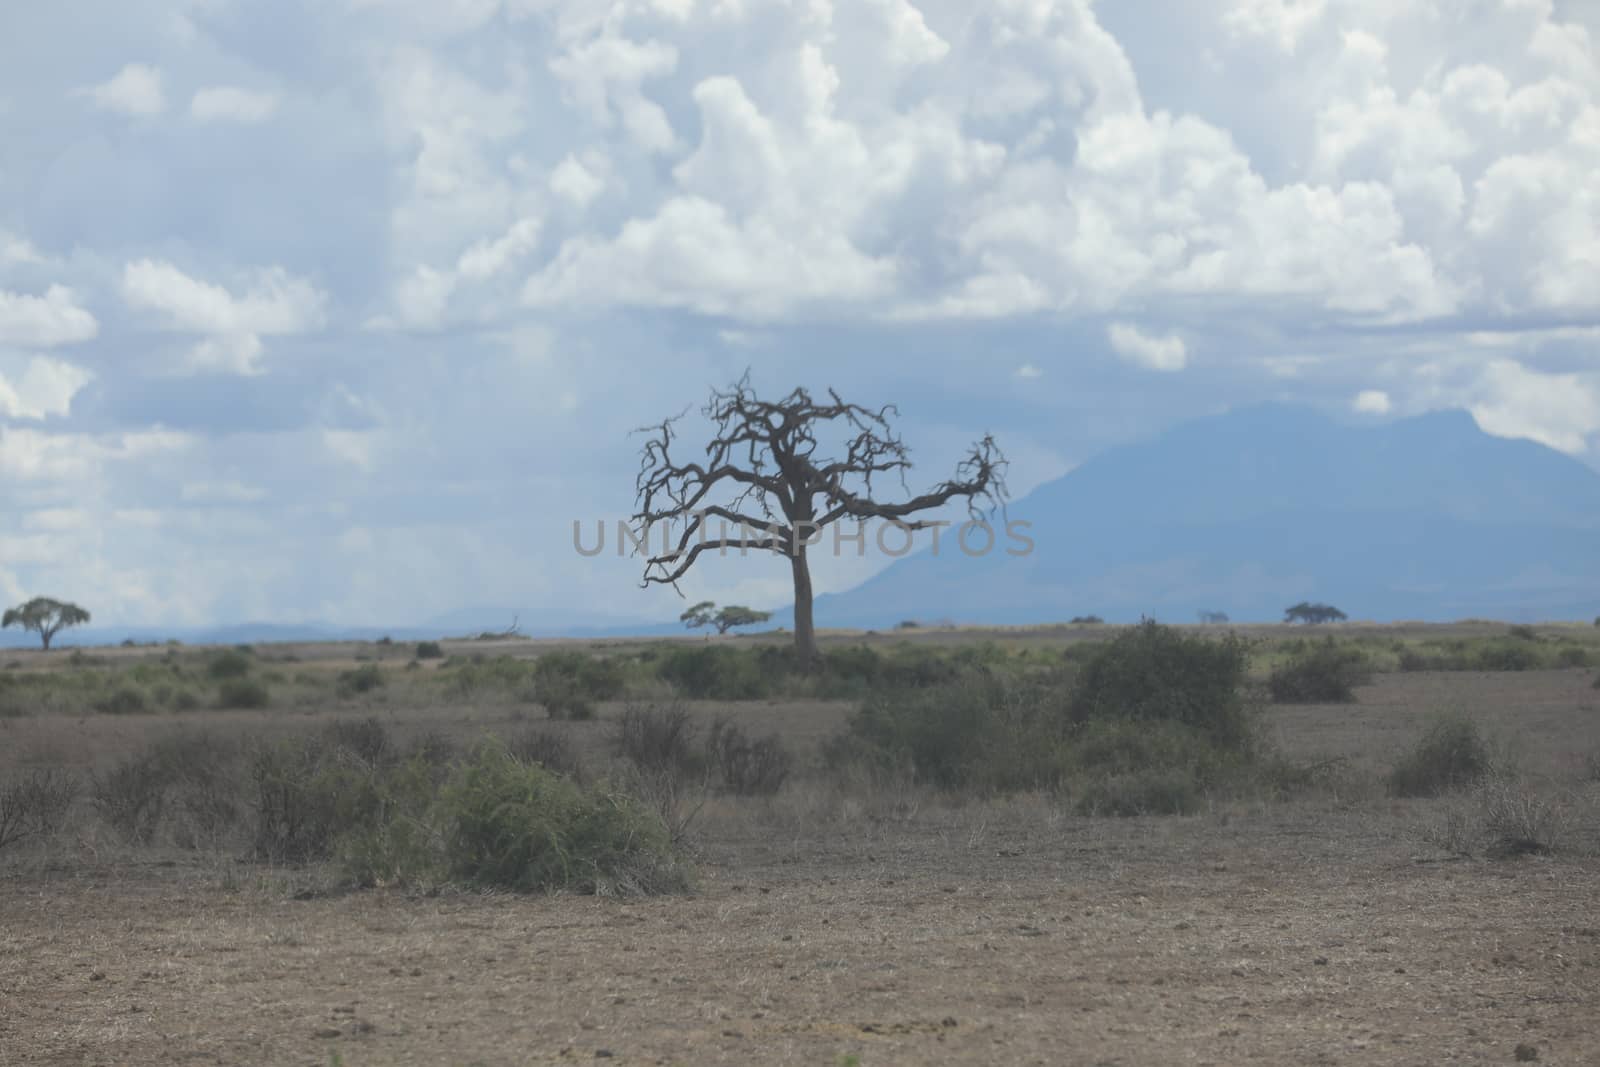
{"points": [[343, 310]]}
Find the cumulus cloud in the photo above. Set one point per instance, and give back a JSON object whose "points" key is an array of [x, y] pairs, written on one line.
{"points": [[226, 103], [16, 250], [1163, 353], [39, 387], [1559, 410], [274, 303], [1333, 194], [46, 321], [1372, 402], [135, 90]]}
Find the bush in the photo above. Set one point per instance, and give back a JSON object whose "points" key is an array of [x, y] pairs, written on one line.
{"points": [[124, 700], [230, 664], [366, 739], [1450, 755], [1151, 791], [982, 731], [243, 694], [1511, 654], [567, 683], [518, 826], [1326, 674], [34, 805], [1572, 656], [1155, 672], [307, 794], [747, 767], [1522, 633], [655, 738], [549, 750], [429, 650], [363, 679], [185, 780], [714, 673]]}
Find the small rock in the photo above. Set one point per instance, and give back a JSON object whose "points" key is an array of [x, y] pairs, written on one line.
{"points": [[949, 1021], [603, 1054], [1321, 961], [328, 1032], [1526, 1054]]}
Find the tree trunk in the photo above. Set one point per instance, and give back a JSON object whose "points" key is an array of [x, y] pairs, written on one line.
{"points": [[805, 636], [45, 636]]}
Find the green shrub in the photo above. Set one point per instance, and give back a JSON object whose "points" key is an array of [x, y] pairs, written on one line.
{"points": [[243, 694], [1522, 633], [429, 650], [1450, 755], [567, 683], [308, 793], [363, 679], [1507, 655], [1572, 656], [518, 826], [714, 673], [124, 700], [1155, 672], [230, 664], [1326, 674]]}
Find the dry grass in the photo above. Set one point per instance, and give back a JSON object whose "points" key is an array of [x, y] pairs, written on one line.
{"points": [[867, 918]]}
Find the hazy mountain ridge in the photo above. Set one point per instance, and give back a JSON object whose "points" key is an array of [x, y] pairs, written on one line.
{"points": [[1419, 518]]}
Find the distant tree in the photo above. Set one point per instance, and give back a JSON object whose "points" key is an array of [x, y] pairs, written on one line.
{"points": [[1312, 614], [1210, 617], [706, 613], [45, 617], [763, 472], [1087, 620], [735, 615], [701, 615]]}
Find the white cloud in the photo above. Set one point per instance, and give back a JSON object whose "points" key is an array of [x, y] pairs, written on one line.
{"points": [[1372, 402], [274, 303], [485, 259], [1558, 410], [227, 103], [45, 321], [134, 90], [1164, 353], [227, 492], [16, 250], [73, 459], [43, 387], [577, 181], [1027, 372]]}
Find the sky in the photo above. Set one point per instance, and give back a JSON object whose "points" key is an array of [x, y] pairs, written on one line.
{"points": [[344, 310]]}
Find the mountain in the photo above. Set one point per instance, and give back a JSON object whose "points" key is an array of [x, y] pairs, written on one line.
{"points": [[1423, 518]]}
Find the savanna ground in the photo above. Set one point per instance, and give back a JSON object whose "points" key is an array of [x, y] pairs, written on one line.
{"points": [[849, 917]]}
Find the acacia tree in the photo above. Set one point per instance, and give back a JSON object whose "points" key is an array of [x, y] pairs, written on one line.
{"points": [[1313, 614], [45, 617], [762, 473]]}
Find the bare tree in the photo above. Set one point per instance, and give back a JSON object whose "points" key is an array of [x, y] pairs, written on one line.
{"points": [[761, 473]]}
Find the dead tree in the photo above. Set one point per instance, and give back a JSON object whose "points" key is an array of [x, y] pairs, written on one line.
{"points": [[762, 474]]}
